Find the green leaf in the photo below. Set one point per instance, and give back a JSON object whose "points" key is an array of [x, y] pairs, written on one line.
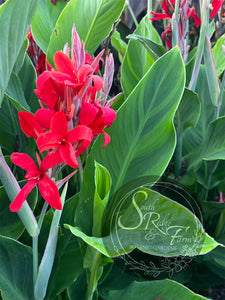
{"points": [[44, 21], [195, 136], [142, 136], [211, 74], [119, 45], [8, 128], [92, 27], [152, 290], [46, 264], [155, 224], [16, 270], [15, 19], [20, 59], [189, 109], [218, 54], [15, 93], [102, 189], [28, 77], [137, 60], [213, 146], [153, 48], [68, 260]]}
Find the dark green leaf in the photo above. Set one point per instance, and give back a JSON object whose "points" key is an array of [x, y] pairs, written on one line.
{"points": [[159, 289], [189, 109], [16, 270]]}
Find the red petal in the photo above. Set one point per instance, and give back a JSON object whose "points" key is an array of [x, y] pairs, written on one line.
{"points": [[109, 116], [98, 83], [68, 155], [48, 140], [29, 124], [52, 159], [43, 116], [59, 124], [63, 63], [47, 90], [21, 197], [216, 4], [49, 192], [159, 16], [106, 139], [63, 78], [80, 132], [88, 114], [24, 161], [83, 72], [192, 14]]}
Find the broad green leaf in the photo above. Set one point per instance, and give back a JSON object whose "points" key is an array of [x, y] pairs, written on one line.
{"points": [[219, 56], [213, 146], [195, 136], [15, 19], [20, 58], [137, 60], [102, 189], [16, 270], [152, 290], [142, 136], [15, 93], [28, 79], [211, 74], [155, 50], [155, 224], [8, 128], [44, 21], [93, 19], [189, 109], [78, 289], [119, 45]]}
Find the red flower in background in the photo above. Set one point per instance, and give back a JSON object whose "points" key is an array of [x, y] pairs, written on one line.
{"points": [[35, 176], [167, 35], [216, 4], [169, 6], [62, 140]]}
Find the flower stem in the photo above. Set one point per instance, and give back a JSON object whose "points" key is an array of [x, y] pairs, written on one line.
{"points": [[35, 258], [80, 169], [93, 275], [178, 150]]}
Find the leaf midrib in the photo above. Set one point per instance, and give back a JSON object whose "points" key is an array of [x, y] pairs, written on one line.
{"points": [[93, 22]]}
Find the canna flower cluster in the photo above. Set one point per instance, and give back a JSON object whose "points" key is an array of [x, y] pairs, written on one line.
{"points": [[74, 110], [185, 13]]}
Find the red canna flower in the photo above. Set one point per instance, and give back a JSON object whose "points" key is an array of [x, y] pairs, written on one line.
{"points": [[169, 6], [216, 4], [60, 139], [29, 124], [97, 118], [167, 35], [36, 176]]}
